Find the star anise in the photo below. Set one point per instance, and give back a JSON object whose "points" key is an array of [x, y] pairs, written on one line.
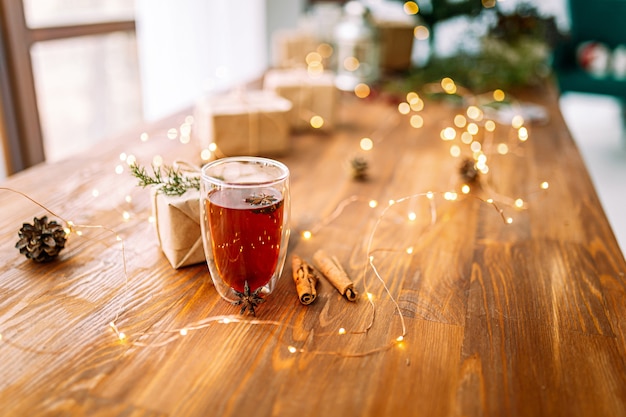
{"points": [[248, 301], [266, 200], [261, 199]]}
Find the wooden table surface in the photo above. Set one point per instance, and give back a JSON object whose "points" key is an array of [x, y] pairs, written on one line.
{"points": [[498, 319]]}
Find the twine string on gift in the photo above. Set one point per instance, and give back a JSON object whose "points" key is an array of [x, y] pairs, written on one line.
{"points": [[187, 169], [253, 120], [254, 123], [304, 100]]}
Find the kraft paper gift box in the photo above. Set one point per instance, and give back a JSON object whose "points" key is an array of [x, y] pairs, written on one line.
{"points": [[177, 222], [396, 34], [310, 95], [396, 46], [244, 123], [290, 47]]}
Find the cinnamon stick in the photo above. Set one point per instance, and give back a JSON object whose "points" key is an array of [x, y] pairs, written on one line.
{"points": [[305, 278], [332, 270]]}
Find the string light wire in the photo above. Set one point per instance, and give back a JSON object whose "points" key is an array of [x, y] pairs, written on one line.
{"points": [[174, 334]]}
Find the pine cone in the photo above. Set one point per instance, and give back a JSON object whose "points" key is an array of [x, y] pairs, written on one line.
{"points": [[41, 241], [358, 168], [468, 170]]}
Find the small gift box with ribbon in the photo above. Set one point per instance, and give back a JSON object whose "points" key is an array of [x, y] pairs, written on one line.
{"points": [[177, 221], [175, 196], [314, 97], [244, 123]]}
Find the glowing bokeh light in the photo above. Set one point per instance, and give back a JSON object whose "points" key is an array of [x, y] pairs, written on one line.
{"points": [[522, 134], [417, 121], [474, 113], [517, 121], [498, 95], [460, 121], [313, 57], [448, 85], [412, 97], [351, 63], [206, 154], [404, 108], [131, 160], [450, 195], [411, 8], [316, 122], [325, 50], [362, 90], [421, 33], [448, 133], [366, 144], [417, 105]]}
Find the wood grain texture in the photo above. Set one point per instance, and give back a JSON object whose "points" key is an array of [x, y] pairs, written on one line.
{"points": [[526, 319]]}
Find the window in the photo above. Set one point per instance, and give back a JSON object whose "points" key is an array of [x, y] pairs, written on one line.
{"points": [[71, 76], [73, 65]]}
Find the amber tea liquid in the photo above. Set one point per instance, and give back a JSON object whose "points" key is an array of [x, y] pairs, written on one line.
{"points": [[246, 234]]}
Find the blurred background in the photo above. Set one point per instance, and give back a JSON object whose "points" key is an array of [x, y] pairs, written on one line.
{"points": [[74, 72]]}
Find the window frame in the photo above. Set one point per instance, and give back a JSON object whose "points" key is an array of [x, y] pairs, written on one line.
{"points": [[20, 126]]}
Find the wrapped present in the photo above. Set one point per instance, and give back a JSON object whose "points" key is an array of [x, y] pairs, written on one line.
{"points": [[396, 41], [244, 123], [177, 220], [396, 33], [314, 97], [290, 47]]}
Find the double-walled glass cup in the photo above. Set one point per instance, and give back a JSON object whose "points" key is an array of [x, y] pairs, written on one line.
{"points": [[245, 207]]}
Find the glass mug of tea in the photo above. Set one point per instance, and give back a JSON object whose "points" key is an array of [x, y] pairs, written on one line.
{"points": [[245, 208]]}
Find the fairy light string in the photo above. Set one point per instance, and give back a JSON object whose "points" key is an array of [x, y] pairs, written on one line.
{"points": [[177, 333], [72, 228], [415, 106]]}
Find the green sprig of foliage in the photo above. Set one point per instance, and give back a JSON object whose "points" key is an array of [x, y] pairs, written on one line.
{"points": [[167, 179]]}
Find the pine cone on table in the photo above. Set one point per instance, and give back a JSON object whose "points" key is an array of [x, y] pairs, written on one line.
{"points": [[359, 168], [41, 241], [468, 170]]}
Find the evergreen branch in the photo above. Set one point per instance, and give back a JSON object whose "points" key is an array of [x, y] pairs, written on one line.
{"points": [[168, 180]]}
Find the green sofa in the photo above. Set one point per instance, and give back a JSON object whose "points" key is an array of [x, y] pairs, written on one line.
{"points": [[591, 20]]}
